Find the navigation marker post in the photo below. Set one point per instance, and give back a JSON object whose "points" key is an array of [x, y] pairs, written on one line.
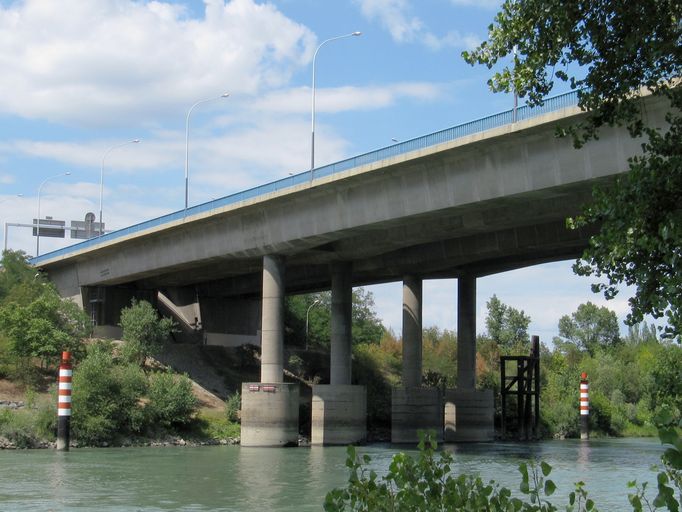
{"points": [[584, 407], [64, 403]]}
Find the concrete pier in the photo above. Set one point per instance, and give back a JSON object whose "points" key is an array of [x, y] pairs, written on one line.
{"points": [[412, 332], [469, 416], [270, 407], [341, 324], [272, 320], [414, 407], [339, 410], [269, 414], [469, 413], [339, 414], [466, 333]]}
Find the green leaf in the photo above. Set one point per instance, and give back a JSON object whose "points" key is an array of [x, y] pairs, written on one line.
{"points": [[550, 487], [546, 468]]}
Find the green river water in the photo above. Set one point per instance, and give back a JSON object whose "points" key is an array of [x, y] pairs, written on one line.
{"points": [[231, 478]]}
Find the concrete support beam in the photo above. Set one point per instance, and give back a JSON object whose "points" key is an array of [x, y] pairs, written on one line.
{"points": [[269, 414], [469, 415], [341, 335], [339, 415], [415, 409], [466, 333], [272, 320], [412, 332]]}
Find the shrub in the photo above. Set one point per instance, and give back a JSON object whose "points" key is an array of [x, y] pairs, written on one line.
{"points": [[143, 331], [233, 407], [171, 400], [106, 395]]}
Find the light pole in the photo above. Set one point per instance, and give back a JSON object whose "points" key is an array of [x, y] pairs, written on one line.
{"points": [[315, 303], [312, 131], [40, 188], [224, 95], [5, 233], [101, 178]]}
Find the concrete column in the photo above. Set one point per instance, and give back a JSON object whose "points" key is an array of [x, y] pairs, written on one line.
{"points": [[466, 333], [342, 309], [272, 320], [412, 332]]}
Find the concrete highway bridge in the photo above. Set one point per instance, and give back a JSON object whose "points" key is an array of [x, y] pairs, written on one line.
{"points": [[484, 197]]}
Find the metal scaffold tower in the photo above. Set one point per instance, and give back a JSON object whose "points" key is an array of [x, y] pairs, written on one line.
{"points": [[520, 378]]}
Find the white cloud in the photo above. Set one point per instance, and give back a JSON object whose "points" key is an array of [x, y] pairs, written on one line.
{"points": [[6, 179], [395, 16], [102, 60]]}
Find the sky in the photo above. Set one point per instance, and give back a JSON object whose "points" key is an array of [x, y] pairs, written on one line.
{"points": [[81, 79]]}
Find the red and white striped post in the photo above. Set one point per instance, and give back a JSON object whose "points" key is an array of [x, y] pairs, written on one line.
{"points": [[64, 403], [584, 407]]}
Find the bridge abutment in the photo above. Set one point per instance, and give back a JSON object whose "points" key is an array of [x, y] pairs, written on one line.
{"points": [[270, 407], [414, 407], [339, 410]]}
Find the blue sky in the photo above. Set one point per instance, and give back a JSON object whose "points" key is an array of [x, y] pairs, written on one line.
{"points": [[81, 77]]}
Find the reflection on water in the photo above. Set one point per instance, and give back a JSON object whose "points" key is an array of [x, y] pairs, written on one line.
{"points": [[287, 479]]}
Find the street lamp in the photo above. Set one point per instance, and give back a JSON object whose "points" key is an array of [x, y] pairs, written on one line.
{"points": [[3, 201], [101, 178], [40, 188], [312, 131], [315, 303], [224, 95]]}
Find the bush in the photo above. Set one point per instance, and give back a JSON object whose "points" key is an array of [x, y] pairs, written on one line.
{"points": [[106, 396], [18, 427], [427, 484], [171, 400], [143, 331], [233, 407]]}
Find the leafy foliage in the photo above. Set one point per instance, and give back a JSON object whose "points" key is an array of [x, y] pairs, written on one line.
{"points": [[143, 331], [590, 327], [366, 326], [106, 395], [507, 326], [34, 319], [428, 483], [171, 400], [622, 49]]}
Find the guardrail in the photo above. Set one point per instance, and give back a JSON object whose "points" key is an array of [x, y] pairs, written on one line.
{"points": [[449, 134]]}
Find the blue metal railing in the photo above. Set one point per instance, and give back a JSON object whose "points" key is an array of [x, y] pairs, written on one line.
{"points": [[449, 134]]}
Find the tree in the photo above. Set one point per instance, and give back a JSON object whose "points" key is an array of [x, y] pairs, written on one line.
{"points": [[590, 327], [143, 331], [366, 326], [44, 327], [507, 326], [612, 53]]}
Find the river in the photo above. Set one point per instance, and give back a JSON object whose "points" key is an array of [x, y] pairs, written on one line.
{"points": [[231, 478]]}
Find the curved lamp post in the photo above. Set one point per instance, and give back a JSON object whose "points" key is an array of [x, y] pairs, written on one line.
{"points": [[3, 201], [101, 178], [224, 95], [312, 131], [40, 188], [315, 303]]}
